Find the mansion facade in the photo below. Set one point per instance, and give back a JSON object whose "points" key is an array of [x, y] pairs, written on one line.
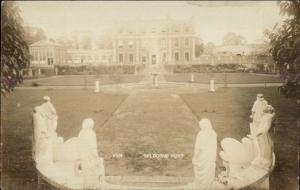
{"points": [[152, 42], [147, 42]]}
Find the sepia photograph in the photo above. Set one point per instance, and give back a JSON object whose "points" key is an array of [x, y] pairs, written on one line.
{"points": [[150, 95]]}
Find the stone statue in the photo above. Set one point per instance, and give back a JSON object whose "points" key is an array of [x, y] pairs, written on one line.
{"points": [[264, 139], [42, 143], [204, 159], [90, 164], [50, 114], [251, 159], [257, 112]]}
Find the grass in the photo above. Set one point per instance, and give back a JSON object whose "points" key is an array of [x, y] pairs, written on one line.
{"points": [[220, 78], [148, 122]]}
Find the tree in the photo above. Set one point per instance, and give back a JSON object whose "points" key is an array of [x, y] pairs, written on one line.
{"points": [[40, 35], [285, 45], [232, 38], [86, 42], [199, 47], [209, 48], [14, 49], [33, 34], [104, 41]]}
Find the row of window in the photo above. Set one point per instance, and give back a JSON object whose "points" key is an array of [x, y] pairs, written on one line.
{"points": [[44, 54], [89, 57], [163, 43], [164, 57], [49, 61], [175, 29]]}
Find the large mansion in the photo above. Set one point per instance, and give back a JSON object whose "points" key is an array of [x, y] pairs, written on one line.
{"points": [[149, 42], [153, 42]]}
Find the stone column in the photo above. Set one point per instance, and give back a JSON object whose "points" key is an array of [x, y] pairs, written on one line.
{"points": [[211, 85]]}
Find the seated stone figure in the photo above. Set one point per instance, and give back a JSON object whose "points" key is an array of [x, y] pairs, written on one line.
{"points": [[42, 143], [45, 139], [204, 159], [50, 115], [264, 140], [257, 112], [89, 165]]}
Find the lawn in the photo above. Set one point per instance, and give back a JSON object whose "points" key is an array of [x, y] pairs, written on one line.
{"points": [[82, 80], [148, 122], [221, 78]]}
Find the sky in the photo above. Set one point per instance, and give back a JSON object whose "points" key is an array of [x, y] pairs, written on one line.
{"points": [[212, 19]]}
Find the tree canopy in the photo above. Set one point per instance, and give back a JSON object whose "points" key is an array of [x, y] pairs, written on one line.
{"points": [[232, 38], [285, 41], [285, 47], [33, 34], [14, 49]]}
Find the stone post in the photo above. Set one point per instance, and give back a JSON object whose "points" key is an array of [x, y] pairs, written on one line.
{"points": [[97, 89], [192, 77], [211, 86], [56, 71]]}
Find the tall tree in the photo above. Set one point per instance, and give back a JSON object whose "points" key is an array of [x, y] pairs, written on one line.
{"points": [[209, 48], [199, 47], [33, 34], [40, 35], [14, 49], [86, 41], [232, 38], [285, 44]]}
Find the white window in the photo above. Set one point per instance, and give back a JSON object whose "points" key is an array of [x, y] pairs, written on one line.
{"points": [[176, 56], [120, 58], [164, 57], [187, 56], [131, 58]]}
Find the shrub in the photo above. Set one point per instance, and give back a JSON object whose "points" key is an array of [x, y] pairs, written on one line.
{"points": [[35, 84]]}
